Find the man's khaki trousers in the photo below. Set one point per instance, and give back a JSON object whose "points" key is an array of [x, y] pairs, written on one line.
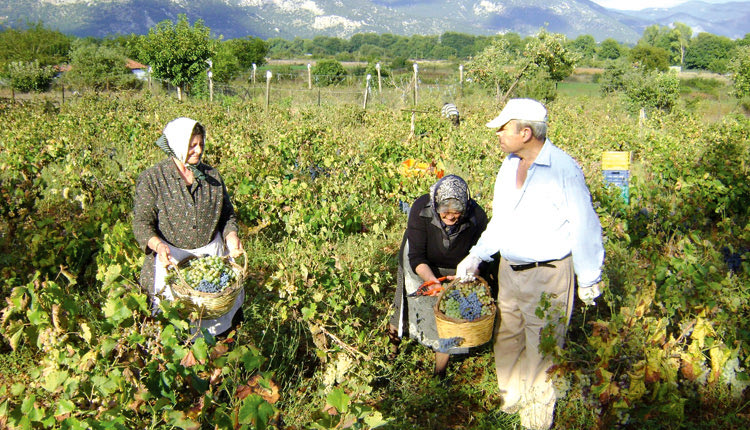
{"points": [[521, 367]]}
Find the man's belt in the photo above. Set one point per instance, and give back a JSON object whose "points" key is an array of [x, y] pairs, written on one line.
{"points": [[527, 266]]}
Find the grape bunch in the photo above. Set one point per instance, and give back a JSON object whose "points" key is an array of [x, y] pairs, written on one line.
{"points": [[209, 274], [467, 301]]}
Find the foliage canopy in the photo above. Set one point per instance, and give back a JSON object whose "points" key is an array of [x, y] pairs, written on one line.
{"points": [[177, 52], [99, 67], [328, 72]]}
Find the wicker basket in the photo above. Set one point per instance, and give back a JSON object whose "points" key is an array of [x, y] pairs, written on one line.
{"points": [[209, 305], [473, 333]]}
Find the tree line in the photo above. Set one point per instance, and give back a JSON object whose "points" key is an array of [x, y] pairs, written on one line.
{"points": [[180, 54]]}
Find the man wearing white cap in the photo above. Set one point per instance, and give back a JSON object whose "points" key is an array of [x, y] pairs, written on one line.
{"points": [[549, 236]]}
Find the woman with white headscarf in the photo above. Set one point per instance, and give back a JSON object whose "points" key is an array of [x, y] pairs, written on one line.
{"points": [[182, 208], [443, 225]]}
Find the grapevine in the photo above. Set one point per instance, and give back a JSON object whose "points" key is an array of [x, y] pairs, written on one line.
{"points": [[467, 301], [209, 274]]}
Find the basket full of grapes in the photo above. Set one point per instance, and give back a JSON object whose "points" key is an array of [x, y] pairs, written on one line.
{"points": [[208, 284], [465, 309]]}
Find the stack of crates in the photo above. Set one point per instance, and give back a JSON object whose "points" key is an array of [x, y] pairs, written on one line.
{"points": [[616, 169]]}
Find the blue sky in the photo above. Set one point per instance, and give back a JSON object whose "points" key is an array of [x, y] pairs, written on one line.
{"points": [[643, 4]]}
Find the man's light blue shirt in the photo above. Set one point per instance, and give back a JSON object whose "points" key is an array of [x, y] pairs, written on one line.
{"points": [[550, 217]]}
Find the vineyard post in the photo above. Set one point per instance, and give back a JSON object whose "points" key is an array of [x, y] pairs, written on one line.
{"points": [[210, 85], [309, 76], [268, 87], [367, 90], [318, 97], [255, 67], [413, 120], [210, 75], [380, 83], [461, 79], [149, 78], [416, 78]]}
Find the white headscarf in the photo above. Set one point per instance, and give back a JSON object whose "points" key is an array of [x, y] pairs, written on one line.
{"points": [[178, 133]]}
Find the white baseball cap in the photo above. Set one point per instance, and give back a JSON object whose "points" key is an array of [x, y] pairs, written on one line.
{"points": [[520, 109]]}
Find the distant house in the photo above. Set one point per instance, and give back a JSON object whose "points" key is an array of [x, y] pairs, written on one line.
{"points": [[138, 69], [60, 69]]}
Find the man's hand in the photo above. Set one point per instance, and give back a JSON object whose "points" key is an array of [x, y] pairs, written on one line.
{"points": [[468, 268], [589, 294]]}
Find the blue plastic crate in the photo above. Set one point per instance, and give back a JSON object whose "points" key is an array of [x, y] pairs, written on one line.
{"points": [[620, 179]]}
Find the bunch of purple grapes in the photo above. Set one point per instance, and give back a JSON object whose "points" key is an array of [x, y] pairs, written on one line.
{"points": [[469, 306], [467, 301], [209, 274]]}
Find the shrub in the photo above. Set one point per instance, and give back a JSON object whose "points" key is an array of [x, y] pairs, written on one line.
{"points": [[613, 78], [740, 68], [100, 68], [328, 72], [651, 90], [30, 76]]}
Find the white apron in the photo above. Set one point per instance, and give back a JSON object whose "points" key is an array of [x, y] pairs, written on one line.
{"points": [[161, 291]]}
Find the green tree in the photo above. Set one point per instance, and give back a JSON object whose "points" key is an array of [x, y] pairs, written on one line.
{"points": [[28, 76], [34, 43], [614, 77], [673, 39], [658, 36], [327, 45], [709, 52], [684, 33], [740, 69], [369, 52], [248, 51], [544, 55], [584, 45], [648, 57], [462, 44], [177, 53], [328, 72], [652, 90], [360, 39], [609, 49], [225, 65], [493, 66], [99, 67], [279, 48]]}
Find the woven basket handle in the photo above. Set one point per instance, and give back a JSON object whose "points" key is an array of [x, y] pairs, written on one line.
{"points": [[244, 266]]}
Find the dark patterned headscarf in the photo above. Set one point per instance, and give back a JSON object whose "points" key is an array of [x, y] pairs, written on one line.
{"points": [[449, 188], [175, 141]]}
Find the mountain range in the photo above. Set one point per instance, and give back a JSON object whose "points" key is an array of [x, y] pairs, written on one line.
{"points": [[309, 18]]}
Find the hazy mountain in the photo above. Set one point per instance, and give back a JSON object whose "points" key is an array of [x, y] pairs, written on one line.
{"points": [[310, 18], [724, 19]]}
